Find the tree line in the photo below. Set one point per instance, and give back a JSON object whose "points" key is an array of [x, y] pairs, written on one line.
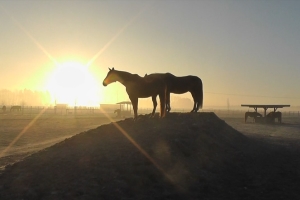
{"points": [[24, 97]]}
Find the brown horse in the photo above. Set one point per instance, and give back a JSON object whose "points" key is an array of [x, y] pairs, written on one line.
{"points": [[252, 114], [273, 115], [139, 87], [180, 85]]}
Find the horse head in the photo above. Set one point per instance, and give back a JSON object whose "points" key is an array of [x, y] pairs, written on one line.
{"points": [[110, 77]]}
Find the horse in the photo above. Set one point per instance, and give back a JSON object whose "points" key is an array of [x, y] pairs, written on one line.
{"points": [[139, 87], [118, 111], [273, 115], [180, 85], [252, 114], [15, 108]]}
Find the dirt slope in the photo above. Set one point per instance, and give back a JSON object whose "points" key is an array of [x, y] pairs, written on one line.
{"points": [[183, 156]]}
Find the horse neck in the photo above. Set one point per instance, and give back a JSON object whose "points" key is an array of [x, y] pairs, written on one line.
{"points": [[125, 77]]}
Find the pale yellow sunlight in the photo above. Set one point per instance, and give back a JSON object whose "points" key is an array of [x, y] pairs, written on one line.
{"points": [[72, 83]]}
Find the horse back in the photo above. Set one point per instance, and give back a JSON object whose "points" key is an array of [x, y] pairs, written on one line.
{"points": [[144, 88], [180, 84], [186, 83], [167, 78]]}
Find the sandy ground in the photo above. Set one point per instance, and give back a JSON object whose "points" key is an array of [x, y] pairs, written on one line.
{"points": [[22, 135], [286, 134], [184, 156]]}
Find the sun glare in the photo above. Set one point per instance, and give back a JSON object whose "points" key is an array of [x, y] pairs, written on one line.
{"points": [[72, 83]]}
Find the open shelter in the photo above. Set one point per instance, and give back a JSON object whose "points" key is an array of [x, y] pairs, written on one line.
{"points": [[271, 117], [125, 108]]}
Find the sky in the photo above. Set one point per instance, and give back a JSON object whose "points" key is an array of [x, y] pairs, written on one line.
{"points": [[245, 52]]}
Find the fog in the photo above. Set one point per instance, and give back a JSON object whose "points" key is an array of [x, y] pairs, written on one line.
{"points": [[24, 97]]}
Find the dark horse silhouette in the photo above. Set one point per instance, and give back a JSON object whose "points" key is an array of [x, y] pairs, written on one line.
{"points": [[252, 114], [15, 108], [180, 85], [273, 115], [139, 87], [4, 108]]}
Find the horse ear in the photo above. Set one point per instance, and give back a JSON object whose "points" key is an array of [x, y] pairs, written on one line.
{"points": [[113, 68], [109, 69]]}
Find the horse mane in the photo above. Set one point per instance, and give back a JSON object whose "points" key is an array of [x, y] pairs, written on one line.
{"points": [[136, 76], [128, 76]]}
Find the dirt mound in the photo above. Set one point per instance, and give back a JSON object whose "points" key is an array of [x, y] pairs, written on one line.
{"points": [[184, 155]]}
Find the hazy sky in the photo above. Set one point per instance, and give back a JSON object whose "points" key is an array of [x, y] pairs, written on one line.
{"points": [[244, 51]]}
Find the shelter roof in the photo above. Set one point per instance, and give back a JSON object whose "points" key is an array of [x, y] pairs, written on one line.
{"points": [[264, 106], [125, 102]]}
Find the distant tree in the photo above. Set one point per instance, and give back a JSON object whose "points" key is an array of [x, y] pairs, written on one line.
{"points": [[25, 97]]}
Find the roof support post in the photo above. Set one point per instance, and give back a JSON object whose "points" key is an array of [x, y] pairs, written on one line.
{"points": [[265, 111]]}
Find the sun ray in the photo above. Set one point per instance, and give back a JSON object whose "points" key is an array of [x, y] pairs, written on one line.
{"points": [[22, 132], [143, 152], [47, 54], [38, 44], [130, 22]]}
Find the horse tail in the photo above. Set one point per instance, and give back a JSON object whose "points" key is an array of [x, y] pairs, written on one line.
{"points": [[201, 94]]}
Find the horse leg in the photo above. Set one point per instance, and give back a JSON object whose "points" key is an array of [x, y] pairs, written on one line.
{"points": [[198, 106], [162, 99], [195, 105], [199, 101], [168, 107], [134, 101], [195, 102], [194, 108], [279, 117], [154, 105]]}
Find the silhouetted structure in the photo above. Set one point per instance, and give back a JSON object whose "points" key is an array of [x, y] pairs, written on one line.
{"points": [[15, 108], [180, 85], [267, 117], [4, 108], [274, 115], [138, 87], [125, 112], [254, 115]]}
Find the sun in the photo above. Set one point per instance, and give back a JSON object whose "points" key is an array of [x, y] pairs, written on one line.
{"points": [[72, 83]]}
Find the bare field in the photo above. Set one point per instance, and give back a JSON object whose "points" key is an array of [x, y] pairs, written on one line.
{"points": [[287, 133], [22, 135], [183, 156]]}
